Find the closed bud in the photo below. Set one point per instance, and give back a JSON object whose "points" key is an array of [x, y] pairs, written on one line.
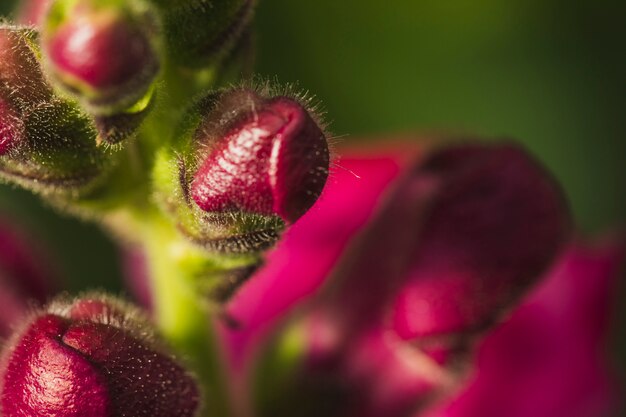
{"points": [[248, 163], [47, 143], [271, 158], [92, 357], [103, 54]]}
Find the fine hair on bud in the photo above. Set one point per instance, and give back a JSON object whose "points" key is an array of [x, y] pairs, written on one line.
{"points": [[246, 162]]}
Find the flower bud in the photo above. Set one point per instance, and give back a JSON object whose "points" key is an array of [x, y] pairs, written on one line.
{"points": [[92, 357], [47, 143], [272, 159], [105, 55], [247, 163]]}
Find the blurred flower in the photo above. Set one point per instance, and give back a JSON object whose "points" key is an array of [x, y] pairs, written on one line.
{"points": [[550, 357], [350, 317], [27, 276]]}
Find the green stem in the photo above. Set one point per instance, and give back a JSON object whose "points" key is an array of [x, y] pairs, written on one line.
{"points": [[180, 313]]}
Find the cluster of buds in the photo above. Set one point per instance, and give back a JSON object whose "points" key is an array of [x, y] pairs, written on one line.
{"points": [[135, 114], [108, 109]]}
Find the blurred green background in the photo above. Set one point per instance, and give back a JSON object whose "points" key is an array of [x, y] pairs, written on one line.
{"points": [[549, 73]]}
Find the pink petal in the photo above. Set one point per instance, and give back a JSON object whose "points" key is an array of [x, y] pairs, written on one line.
{"points": [[549, 359]]}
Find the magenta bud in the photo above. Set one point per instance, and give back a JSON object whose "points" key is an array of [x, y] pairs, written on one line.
{"points": [[92, 358], [271, 158], [103, 55]]}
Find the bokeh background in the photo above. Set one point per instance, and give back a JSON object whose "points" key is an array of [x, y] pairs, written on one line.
{"points": [[548, 73]]}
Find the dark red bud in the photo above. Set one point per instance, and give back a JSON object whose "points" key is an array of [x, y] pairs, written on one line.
{"points": [[101, 55], [92, 359], [272, 160]]}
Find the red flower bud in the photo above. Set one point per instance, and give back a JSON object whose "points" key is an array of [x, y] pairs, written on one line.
{"points": [[104, 55], [270, 158], [48, 143], [92, 358]]}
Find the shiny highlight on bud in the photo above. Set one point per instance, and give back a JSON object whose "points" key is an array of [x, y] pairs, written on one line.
{"points": [[93, 357]]}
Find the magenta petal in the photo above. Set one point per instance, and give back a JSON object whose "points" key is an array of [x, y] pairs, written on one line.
{"points": [[496, 222], [549, 358], [467, 209], [393, 376]]}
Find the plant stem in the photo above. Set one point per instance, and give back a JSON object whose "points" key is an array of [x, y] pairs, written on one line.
{"points": [[180, 313]]}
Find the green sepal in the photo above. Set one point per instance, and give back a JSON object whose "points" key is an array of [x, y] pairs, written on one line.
{"points": [[200, 33]]}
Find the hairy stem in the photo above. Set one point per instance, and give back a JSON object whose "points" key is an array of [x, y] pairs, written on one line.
{"points": [[181, 314]]}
